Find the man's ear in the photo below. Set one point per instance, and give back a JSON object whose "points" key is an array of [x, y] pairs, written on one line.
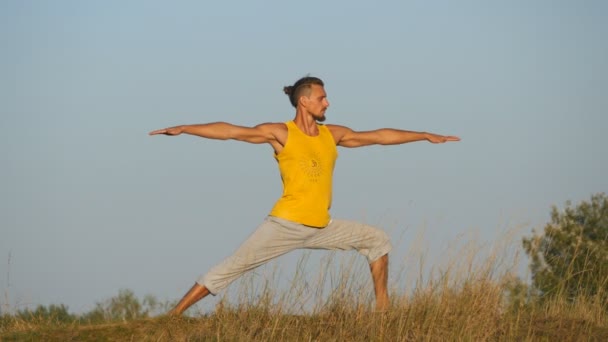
{"points": [[303, 100]]}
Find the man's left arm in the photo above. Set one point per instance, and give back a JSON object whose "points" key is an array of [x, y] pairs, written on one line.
{"points": [[346, 137]]}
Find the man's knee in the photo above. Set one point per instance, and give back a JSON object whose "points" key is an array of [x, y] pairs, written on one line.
{"points": [[381, 238], [381, 245]]}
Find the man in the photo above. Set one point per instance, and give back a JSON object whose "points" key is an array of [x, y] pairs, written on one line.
{"points": [[306, 152]]}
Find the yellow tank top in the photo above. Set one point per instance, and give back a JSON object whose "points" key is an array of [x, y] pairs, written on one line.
{"points": [[306, 164]]}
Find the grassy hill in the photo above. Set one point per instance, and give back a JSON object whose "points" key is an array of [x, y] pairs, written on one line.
{"points": [[415, 323], [473, 297]]}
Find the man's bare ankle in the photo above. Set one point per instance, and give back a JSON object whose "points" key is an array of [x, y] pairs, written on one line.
{"points": [[382, 306], [174, 313]]}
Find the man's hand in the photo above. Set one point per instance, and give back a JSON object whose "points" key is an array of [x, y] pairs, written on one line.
{"points": [[438, 139], [177, 130]]}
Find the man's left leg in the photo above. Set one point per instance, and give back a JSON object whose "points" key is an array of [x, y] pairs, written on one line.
{"points": [[379, 269], [369, 241]]}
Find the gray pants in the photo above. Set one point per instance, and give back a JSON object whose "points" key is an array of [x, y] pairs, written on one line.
{"points": [[276, 236]]}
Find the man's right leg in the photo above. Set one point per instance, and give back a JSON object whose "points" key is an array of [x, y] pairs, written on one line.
{"points": [[274, 237], [196, 293]]}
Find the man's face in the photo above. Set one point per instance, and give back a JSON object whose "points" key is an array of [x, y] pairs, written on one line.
{"points": [[317, 103]]}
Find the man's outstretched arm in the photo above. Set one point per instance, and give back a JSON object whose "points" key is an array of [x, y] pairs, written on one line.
{"points": [[263, 133], [346, 137]]}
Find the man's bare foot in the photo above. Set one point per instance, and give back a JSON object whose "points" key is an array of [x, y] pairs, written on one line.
{"points": [[196, 293]]}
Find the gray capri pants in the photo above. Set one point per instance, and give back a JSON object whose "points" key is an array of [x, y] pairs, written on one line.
{"points": [[276, 236]]}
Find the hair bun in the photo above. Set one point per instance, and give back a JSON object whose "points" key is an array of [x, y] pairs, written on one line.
{"points": [[288, 90]]}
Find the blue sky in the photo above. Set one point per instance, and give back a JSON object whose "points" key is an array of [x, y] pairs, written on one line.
{"points": [[91, 204]]}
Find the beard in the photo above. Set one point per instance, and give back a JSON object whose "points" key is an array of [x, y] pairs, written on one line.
{"points": [[320, 117]]}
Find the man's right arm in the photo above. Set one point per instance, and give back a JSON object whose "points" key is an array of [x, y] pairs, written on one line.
{"points": [[263, 133]]}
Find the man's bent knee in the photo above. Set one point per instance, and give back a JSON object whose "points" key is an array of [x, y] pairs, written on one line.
{"points": [[382, 245]]}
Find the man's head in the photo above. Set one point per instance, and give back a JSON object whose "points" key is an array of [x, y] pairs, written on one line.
{"points": [[309, 94]]}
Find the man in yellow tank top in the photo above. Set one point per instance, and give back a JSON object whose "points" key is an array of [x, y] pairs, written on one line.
{"points": [[306, 151]]}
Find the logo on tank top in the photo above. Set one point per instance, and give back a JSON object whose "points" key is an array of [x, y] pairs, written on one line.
{"points": [[312, 167]]}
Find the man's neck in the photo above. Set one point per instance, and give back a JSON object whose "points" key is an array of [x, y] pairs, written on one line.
{"points": [[306, 123]]}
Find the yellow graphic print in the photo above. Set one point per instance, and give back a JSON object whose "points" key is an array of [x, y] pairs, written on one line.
{"points": [[312, 167]]}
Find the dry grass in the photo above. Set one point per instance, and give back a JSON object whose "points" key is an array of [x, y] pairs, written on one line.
{"points": [[427, 319], [464, 300]]}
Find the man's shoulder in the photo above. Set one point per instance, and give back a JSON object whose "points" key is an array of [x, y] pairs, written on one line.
{"points": [[338, 132], [273, 126], [276, 130], [337, 128]]}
